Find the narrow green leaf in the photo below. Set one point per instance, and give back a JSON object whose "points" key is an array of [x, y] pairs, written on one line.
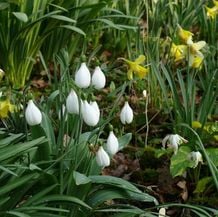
{"points": [[9, 139], [80, 178], [16, 183], [63, 18], [18, 149], [3, 5], [21, 16], [19, 214], [74, 28], [124, 140], [62, 198]]}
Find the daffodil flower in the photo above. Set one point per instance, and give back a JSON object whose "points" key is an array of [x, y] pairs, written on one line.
{"points": [[212, 12], [136, 68], [184, 35], [178, 52], [5, 108], [195, 56]]}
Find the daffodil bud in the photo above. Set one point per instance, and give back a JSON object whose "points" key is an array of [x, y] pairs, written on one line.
{"points": [[89, 114], [32, 114], [102, 158], [126, 115], [98, 78], [72, 103], [83, 76], [112, 143]]}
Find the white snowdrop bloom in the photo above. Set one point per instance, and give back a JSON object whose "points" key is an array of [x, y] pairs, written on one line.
{"points": [[72, 103], [94, 104], [173, 141], [89, 114], [162, 212], [98, 78], [112, 144], [196, 157], [102, 158], [32, 114], [83, 76], [126, 114], [144, 93]]}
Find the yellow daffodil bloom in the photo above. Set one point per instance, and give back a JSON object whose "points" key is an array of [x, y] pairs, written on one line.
{"points": [[5, 108], [185, 35], [178, 51], [196, 124], [212, 12], [136, 68], [195, 57], [215, 3]]}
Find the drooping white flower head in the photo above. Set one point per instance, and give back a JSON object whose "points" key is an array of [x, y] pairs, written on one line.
{"points": [[72, 103], [162, 212], [173, 141], [126, 114], [98, 78], [32, 114], [196, 157], [112, 144], [102, 158], [83, 76], [89, 114]]}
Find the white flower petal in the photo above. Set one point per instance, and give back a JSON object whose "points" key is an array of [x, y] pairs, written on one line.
{"points": [[83, 76], [89, 114], [98, 78], [112, 143], [72, 103], [32, 114], [102, 158], [126, 114]]}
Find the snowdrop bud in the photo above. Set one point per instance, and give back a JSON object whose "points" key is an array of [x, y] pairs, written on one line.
{"points": [[62, 113], [112, 143], [83, 76], [98, 78], [126, 115], [89, 114], [162, 212], [72, 103], [2, 73], [32, 114], [144, 93], [102, 158]]}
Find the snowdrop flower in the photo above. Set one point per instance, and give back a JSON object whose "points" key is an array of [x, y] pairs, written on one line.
{"points": [[32, 114], [126, 115], [112, 143], [162, 212], [196, 157], [72, 103], [90, 114], [102, 158], [173, 141], [98, 78], [83, 76], [62, 113]]}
